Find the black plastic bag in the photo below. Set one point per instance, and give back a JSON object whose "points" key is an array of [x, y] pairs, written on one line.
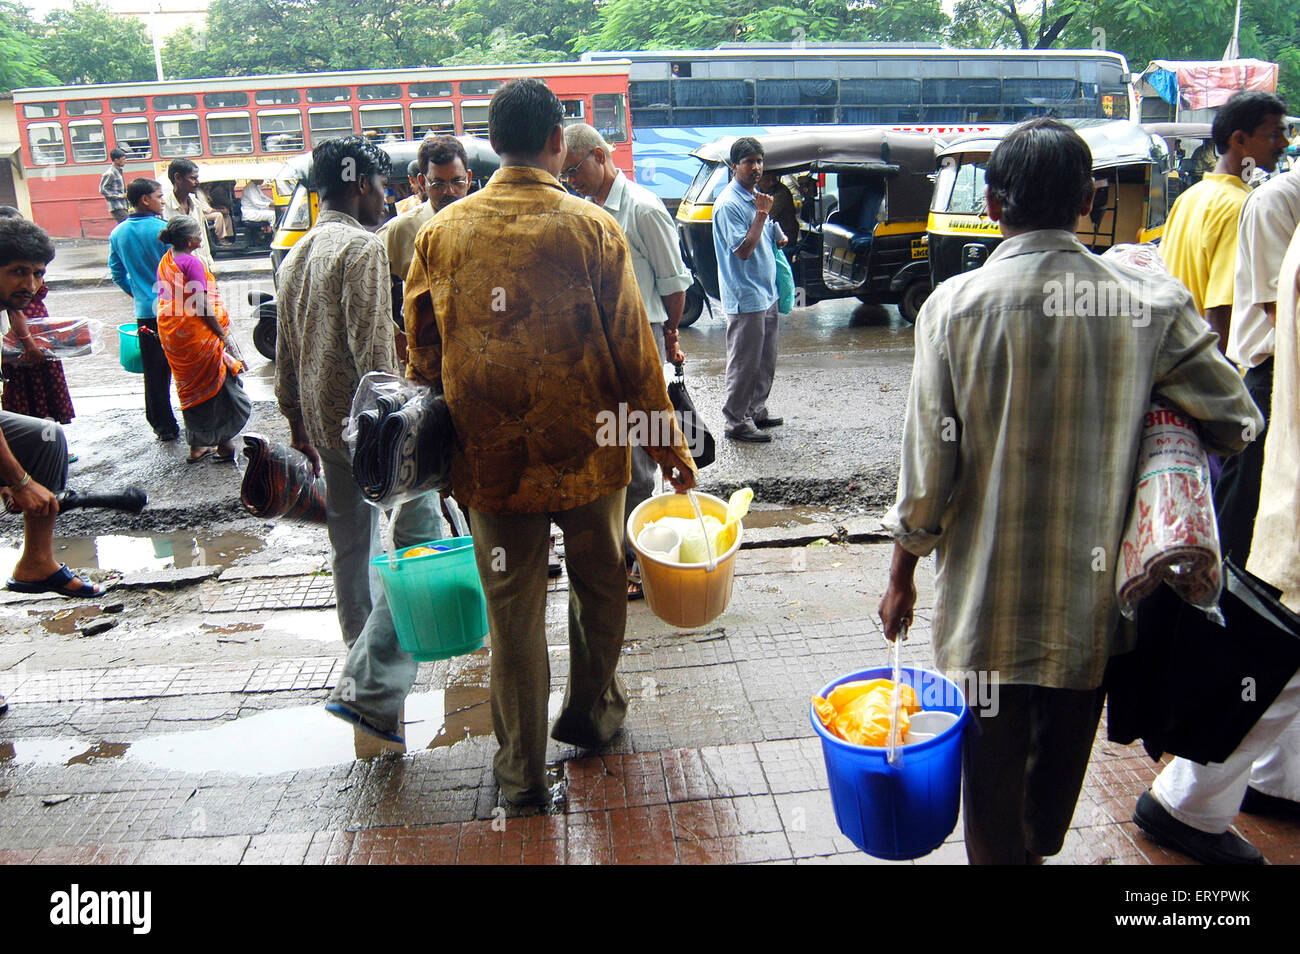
{"points": [[698, 438], [1193, 688]]}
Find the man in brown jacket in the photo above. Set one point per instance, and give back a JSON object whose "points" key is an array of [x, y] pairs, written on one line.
{"points": [[522, 305]]}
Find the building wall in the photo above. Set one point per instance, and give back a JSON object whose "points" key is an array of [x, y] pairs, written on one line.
{"points": [[13, 187]]}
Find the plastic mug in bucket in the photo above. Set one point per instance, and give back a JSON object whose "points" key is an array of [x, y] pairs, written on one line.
{"points": [[907, 810], [128, 348], [436, 599]]}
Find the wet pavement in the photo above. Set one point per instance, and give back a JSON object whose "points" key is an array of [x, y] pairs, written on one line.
{"points": [[224, 754]]}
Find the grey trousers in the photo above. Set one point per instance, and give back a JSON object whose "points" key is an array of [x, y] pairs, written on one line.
{"points": [[378, 673], [751, 365], [644, 467], [511, 551], [40, 446], [1022, 771]]}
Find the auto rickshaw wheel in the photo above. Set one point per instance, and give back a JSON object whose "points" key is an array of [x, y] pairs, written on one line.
{"points": [[264, 337], [694, 306], [914, 296]]}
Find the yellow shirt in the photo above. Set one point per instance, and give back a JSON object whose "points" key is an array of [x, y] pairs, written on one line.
{"points": [[521, 302], [1200, 241], [398, 234]]}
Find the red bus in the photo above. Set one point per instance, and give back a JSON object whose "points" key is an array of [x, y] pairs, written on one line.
{"points": [[254, 123]]}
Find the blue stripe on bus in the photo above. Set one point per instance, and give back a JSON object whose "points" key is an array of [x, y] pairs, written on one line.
{"points": [[662, 154]]}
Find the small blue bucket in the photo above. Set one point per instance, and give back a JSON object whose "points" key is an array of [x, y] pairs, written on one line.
{"points": [[903, 811]]}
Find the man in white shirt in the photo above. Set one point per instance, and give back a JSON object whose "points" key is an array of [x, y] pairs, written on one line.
{"points": [[185, 198], [661, 275]]}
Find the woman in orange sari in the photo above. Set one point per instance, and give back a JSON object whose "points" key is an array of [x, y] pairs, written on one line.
{"points": [[193, 326]]}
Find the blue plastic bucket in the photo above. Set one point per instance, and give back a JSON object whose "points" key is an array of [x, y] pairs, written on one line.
{"points": [[128, 348], [437, 600], [900, 811]]}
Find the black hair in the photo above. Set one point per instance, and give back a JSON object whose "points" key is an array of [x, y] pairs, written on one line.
{"points": [[339, 164], [745, 146], [9, 212], [521, 117], [440, 150], [23, 241], [141, 187], [117, 153], [180, 167], [1244, 112], [413, 167], [1041, 173], [180, 229]]}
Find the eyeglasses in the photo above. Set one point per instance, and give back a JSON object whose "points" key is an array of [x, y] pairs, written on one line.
{"points": [[439, 185], [572, 171]]}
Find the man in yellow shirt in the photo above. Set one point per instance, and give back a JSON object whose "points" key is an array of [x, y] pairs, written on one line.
{"points": [[1200, 240]]}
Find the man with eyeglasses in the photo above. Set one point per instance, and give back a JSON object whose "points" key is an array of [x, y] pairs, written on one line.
{"points": [[661, 275], [444, 177]]}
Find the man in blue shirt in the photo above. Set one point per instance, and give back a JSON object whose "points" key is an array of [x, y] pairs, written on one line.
{"points": [[742, 238], [134, 254]]}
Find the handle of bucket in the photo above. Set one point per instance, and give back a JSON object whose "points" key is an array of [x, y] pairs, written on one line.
{"points": [[896, 756], [390, 525], [708, 547]]}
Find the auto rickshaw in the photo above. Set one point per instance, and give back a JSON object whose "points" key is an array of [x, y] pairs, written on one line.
{"points": [[224, 184], [861, 196], [1191, 153], [1130, 170], [300, 214]]}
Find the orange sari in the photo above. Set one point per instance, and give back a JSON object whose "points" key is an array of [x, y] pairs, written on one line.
{"points": [[196, 355]]}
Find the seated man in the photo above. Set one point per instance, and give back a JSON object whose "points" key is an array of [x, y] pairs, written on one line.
{"points": [[33, 452], [254, 206]]}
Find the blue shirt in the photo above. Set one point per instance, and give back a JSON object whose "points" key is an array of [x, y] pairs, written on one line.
{"points": [[746, 284], [133, 257]]}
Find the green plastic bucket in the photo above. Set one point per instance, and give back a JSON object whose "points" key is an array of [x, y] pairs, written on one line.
{"points": [[436, 599], [128, 348]]}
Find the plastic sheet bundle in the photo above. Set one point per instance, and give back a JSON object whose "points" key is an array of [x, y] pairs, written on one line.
{"points": [[60, 337], [401, 438], [1171, 535]]}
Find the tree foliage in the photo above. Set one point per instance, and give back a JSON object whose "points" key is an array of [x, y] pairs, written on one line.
{"points": [[22, 62], [89, 43]]}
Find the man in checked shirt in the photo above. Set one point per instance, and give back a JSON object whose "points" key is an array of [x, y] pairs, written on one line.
{"points": [[1018, 457]]}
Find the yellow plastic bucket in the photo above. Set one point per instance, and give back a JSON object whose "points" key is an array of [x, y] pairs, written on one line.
{"points": [[684, 594]]}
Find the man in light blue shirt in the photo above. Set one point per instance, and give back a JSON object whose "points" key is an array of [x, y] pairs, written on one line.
{"points": [[742, 238]]}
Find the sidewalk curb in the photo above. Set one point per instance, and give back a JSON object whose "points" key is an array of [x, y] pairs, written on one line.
{"points": [[85, 281]]}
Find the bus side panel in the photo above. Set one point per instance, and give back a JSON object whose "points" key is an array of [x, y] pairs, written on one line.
{"points": [[67, 204]]}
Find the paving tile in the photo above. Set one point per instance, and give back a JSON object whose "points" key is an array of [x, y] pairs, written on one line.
{"points": [[642, 835], [290, 592], [530, 840], [615, 781], [796, 765], [195, 851]]}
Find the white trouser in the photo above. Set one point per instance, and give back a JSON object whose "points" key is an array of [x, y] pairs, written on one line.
{"points": [[1208, 797]]}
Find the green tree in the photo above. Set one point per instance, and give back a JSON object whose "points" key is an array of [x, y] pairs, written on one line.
{"points": [[501, 46], [21, 61], [89, 43]]}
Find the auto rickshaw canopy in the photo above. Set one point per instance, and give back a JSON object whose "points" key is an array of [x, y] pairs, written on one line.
{"points": [[1113, 142]]}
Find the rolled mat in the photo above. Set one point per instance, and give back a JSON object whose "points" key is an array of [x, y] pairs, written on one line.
{"points": [[279, 482], [403, 451]]}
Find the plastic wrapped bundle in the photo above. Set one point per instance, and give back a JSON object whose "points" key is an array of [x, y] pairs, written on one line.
{"points": [[402, 440], [279, 482], [60, 337], [1171, 535]]}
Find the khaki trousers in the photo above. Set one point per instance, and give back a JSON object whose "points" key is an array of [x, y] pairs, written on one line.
{"points": [[511, 552]]}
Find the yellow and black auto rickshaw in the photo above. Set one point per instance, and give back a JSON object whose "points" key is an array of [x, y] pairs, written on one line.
{"points": [[1191, 153], [861, 197], [1130, 169]]}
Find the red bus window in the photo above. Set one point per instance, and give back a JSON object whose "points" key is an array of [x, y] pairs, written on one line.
{"points": [[432, 118], [133, 136], [87, 139], [225, 100], [276, 97], [84, 107], [430, 90], [280, 130], [574, 111], [178, 136], [329, 123], [474, 118], [46, 140], [229, 134], [382, 91], [40, 110], [383, 123], [329, 94], [479, 87], [609, 115], [127, 104], [183, 101]]}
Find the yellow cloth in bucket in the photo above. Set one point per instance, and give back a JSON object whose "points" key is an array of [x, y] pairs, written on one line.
{"points": [[858, 712]]}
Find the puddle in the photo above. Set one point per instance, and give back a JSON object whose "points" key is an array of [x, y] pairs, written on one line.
{"points": [[283, 740], [129, 553], [759, 517], [64, 622]]}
